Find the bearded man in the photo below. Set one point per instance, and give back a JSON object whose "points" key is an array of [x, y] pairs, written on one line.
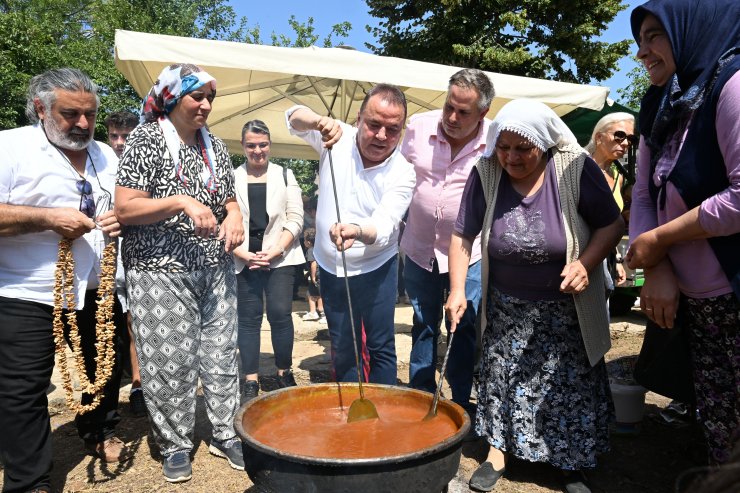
{"points": [[55, 182]]}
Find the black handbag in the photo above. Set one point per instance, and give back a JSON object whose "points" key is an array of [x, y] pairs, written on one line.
{"points": [[664, 364]]}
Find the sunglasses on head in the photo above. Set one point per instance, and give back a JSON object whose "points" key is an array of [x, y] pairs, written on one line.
{"points": [[619, 136], [261, 145], [87, 201]]}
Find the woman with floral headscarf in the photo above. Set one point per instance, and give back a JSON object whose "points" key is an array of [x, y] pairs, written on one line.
{"points": [[685, 227], [175, 197], [548, 220]]}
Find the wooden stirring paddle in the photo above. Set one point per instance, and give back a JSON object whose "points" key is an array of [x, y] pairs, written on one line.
{"points": [[433, 407]]}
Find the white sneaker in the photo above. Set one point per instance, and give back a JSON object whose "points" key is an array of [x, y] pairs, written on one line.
{"points": [[322, 320], [310, 316]]}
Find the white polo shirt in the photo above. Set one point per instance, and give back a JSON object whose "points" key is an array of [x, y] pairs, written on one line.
{"points": [[34, 173], [377, 196]]}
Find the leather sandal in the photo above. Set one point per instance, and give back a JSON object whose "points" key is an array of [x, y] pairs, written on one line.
{"points": [[111, 450], [485, 477]]}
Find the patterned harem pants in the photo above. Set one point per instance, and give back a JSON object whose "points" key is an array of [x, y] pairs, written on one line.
{"points": [[185, 328]]}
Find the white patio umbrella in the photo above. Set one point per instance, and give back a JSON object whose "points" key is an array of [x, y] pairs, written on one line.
{"points": [[261, 82]]}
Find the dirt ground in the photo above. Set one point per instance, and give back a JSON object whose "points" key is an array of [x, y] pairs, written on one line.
{"points": [[650, 460]]}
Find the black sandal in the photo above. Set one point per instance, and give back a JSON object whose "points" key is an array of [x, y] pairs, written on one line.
{"points": [[485, 477]]}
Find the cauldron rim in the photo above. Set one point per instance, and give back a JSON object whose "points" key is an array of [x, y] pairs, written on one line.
{"points": [[365, 461]]}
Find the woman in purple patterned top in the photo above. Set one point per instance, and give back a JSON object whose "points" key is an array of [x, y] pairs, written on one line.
{"points": [[548, 220]]}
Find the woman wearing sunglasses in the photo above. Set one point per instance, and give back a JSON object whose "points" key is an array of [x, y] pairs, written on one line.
{"points": [[612, 136], [685, 227], [175, 198], [271, 205]]}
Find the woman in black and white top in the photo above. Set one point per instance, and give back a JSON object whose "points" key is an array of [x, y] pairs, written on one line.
{"points": [[270, 201], [175, 198]]}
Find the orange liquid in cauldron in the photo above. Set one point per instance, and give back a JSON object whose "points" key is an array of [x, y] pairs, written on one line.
{"points": [[325, 433]]}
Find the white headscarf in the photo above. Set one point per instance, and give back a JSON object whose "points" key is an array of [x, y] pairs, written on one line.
{"points": [[534, 121]]}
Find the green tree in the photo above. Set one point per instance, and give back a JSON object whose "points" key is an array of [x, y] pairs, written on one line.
{"points": [[639, 83], [535, 38], [36, 35], [305, 35]]}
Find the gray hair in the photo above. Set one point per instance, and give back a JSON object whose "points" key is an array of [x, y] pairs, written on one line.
{"points": [[42, 86], [468, 78], [256, 127], [388, 93], [604, 123]]}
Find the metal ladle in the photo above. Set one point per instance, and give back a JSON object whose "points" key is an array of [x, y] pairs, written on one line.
{"points": [[361, 408]]}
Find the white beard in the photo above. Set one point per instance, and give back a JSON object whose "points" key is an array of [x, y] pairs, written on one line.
{"points": [[70, 141]]}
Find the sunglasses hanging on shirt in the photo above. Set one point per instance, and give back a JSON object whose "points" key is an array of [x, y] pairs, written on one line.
{"points": [[87, 199]]}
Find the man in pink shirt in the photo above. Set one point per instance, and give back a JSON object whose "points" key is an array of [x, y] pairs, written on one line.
{"points": [[443, 146]]}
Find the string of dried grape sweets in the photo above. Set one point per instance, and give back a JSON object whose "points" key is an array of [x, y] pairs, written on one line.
{"points": [[104, 326]]}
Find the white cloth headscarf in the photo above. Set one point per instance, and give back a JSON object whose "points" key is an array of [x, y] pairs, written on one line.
{"points": [[534, 121]]}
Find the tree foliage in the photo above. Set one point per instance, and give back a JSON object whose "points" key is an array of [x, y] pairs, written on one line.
{"points": [[36, 35], [639, 83], [534, 38], [305, 34]]}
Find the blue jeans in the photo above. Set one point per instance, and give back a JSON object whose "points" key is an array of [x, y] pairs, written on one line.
{"points": [[373, 306], [426, 291], [257, 288]]}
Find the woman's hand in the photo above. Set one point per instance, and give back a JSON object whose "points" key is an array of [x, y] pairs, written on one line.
{"points": [[232, 230], [344, 235], [108, 223], [659, 294], [621, 275], [645, 251], [263, 258], [249, 258], [575, 278], [455, 307], [204, 221]]}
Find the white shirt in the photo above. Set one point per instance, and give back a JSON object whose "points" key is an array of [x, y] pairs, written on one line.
{"points": [[34, 173], [377, 196]]}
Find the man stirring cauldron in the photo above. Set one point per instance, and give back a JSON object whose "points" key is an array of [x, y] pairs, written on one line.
{"points": [[374, 184]]}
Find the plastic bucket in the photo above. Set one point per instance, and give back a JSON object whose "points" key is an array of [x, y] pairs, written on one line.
{"points": [[628, 396]]}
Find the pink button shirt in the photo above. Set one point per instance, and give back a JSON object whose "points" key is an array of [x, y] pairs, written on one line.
{"points": [[439, 188]]}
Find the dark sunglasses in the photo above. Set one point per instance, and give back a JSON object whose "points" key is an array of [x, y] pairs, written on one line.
{"points": [[261, 145], [87, 201], [619, 136]]}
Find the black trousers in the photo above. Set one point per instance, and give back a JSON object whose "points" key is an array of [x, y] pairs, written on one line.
{"points": [[26, 364]]}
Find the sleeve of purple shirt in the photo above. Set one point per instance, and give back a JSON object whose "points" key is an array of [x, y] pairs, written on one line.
{"points": [[472, 207], [719, 215], [643, 215], [596, 204]]}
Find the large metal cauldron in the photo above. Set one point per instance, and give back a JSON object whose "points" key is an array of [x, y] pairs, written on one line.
{"points": [[427, 470]]}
